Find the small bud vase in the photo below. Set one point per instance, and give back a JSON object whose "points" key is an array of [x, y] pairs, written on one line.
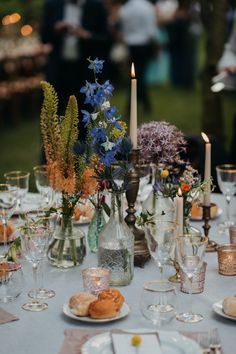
{"points": [[96, 225]]}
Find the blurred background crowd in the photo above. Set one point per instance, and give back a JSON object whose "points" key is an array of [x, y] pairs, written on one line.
{"points": [[178, 47]]}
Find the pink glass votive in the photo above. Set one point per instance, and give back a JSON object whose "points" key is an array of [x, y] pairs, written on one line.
{"points": [[198, 281], [227, 259], [96, 279]]}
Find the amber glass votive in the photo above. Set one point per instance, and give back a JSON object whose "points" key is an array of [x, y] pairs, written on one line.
{"points": [[96, 279], [227, 259], [198, 281], [232, 234]]}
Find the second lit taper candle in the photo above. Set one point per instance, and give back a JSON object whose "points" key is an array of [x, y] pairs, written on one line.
{"points": [[133, 109], [207, 171]]}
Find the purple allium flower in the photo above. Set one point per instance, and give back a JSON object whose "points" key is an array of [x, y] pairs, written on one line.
{"points": [[161, 142]]}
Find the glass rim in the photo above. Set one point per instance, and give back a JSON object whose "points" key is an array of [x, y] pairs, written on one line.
{"points": [[147, 286], [10, 187], [85, 271], [192, 238], [16, 174], [40, 168], [226, 167]]}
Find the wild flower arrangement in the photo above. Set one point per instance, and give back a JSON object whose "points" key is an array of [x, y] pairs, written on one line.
{"points": [[68, 173], [161, 143], [107, 133]]}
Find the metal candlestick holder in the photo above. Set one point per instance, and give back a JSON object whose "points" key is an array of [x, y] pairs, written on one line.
{"points": [[141, 253], [176, 277], [206, 216]]}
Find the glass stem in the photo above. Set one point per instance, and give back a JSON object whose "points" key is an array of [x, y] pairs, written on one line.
{"points": [[35, 277], [4, 222], [228, 200], [190, 295]]}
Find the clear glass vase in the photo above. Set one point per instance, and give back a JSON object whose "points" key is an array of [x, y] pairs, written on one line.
{"points": [[96, 225], [68, 247], [162, 207], [188, 228], [116, 245]]}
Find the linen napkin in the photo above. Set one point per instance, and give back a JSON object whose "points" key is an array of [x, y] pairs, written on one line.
{"points": [[122, 343], [6, 316]]}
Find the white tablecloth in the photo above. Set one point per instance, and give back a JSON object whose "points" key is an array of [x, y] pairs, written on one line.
{"points": [[42, 332]]}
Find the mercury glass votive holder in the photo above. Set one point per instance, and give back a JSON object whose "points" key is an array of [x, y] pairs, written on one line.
{"points": [[96, 279], [198, 281], [227, 259]]}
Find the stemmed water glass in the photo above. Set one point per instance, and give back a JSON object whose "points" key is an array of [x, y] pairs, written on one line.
{"points": [[43, 185], [8, 202], [190, 251], [160, 236], [48, 221], [226, 178], [20, 179], [35, 238]]}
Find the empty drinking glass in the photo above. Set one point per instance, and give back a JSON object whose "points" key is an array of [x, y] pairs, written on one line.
{"points": [[226, 178], [20, 179], [43, 185]]}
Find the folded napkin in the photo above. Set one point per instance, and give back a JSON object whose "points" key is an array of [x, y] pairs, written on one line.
{"points": [[149, 343], [6, 316]]}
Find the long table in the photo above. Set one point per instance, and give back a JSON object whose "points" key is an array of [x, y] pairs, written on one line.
{"points": [[43, 332]]}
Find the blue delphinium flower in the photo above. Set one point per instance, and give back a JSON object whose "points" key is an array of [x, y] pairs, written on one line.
{"points": [[86, 117], [96, 65]]}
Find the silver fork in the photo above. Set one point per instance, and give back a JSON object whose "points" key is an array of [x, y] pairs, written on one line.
{"points": [[215, 344], [203, 340]]}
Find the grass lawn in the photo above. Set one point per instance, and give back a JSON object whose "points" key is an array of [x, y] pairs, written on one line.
{"points": [[20, 145]]}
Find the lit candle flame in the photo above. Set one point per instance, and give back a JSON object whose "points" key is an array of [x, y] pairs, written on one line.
{"points": [[205, 138], [132, 71], [179, 192]]}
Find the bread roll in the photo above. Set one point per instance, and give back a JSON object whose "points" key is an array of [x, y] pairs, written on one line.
{"points": [[114, 295], [79, 303], [9, 230], [196, 211], [101, 309], [229, 306]]}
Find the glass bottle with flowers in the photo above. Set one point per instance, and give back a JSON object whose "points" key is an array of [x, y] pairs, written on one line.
{"points": [[66, 173], [111, 145], [161, 146]]}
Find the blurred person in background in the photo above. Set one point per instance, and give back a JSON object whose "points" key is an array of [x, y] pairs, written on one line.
{"points": [[183, 27], [137, 24], [76, 30]]}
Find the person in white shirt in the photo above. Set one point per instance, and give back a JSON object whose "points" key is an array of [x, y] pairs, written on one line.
{"points": [[138, 27]]}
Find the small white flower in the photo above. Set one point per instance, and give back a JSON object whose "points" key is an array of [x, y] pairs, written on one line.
{"points": [[94, 116], [102, 124], [105, 106], [108, 145]]}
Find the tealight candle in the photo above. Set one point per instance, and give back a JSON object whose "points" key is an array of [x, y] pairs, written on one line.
{"points": [[96, 279], [227, 259]]}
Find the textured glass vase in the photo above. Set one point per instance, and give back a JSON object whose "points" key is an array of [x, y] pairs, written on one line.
{"points": [[96, 225], [68, 247], [116, 245]]}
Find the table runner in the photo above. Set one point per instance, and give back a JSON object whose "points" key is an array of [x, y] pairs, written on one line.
{"points": [[6, 316], [75, 338]]}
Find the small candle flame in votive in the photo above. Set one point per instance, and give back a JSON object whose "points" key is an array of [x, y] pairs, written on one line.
{"points": [[132, 71], [205, 137]]}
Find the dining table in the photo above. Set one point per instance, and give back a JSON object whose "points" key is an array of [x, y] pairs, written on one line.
{"points": [[44, 332]]}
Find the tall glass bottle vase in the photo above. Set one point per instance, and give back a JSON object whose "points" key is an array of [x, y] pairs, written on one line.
{"points": [[116, 245], [68, 247], [187, 227], [96, 225]]}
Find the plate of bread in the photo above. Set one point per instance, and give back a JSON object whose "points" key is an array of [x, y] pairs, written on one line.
{"points": [[196, 212], [10, 235], [226, 307], [108, 305]]}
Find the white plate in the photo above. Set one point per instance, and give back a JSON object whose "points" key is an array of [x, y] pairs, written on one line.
{"points": [[218, 308], [124, 311], [199, 218], [171, 343]]}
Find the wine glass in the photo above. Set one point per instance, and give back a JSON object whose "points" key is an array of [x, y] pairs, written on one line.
{"points": [[8, 203], [20, 179], [34, 242], [48, 221], [160, 236], [43, 185], [158, 302], [226, 178], [190, 251]]}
